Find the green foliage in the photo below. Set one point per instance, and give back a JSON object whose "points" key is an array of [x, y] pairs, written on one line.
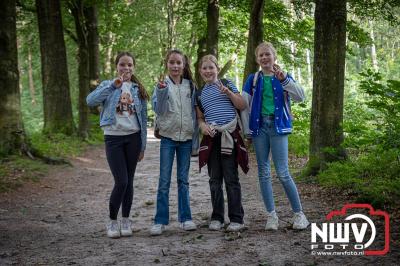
{"points": [[15, 170], [300, 138], [357, 34], [373, 177], [384, 98]]}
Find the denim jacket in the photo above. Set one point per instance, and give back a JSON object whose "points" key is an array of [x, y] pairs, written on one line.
{"points": [[251, 116], [107, 95]]}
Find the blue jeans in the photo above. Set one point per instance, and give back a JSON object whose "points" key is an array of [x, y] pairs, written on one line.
{"points": [[167, 153], [268, 140]]}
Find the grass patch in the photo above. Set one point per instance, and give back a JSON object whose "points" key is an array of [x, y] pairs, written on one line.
{"points": [[15, 170]]}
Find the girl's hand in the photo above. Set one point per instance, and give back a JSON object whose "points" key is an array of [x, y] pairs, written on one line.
{"points": [[223, 88], [207, 130], [124, 77], [278, 72], [161, 82], [141, 155]]}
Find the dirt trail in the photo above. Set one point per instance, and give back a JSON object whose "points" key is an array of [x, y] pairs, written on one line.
{"points": [[61, 221]]}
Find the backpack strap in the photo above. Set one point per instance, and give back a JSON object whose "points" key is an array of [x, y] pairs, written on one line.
{"points": [[253, 86], [198, 92]]}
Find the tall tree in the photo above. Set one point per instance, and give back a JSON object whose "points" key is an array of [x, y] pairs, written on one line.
{"points": [[255, 36], [11, 127], [93, 40], [77, 10], [326, 133], [56, 95], [212, 27], [208, 44]]}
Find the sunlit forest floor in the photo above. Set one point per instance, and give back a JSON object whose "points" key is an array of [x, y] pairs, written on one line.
{"points": [[61, 220]]}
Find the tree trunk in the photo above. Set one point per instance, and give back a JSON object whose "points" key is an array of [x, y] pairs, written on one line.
{"points": [[373, 48], [11, 127], [30, 74], [326, 133], [94, 50], [93, 40], [309, 69], [171, 23], [56, 95], [255, 36], [201, 51], [77, 11], [109, 41], [212, 27]]}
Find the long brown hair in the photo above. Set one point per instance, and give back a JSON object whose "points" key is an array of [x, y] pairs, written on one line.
{"points": [[142, 91], [187, 73]]}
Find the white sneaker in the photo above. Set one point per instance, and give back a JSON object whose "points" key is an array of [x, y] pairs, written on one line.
{"points": [[272, 221], [188, 225], [113, 229], [234, 227], [300, 221], [126, 227], [157, 229], [215, 225]]}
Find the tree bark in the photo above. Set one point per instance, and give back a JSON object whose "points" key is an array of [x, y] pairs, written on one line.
{"points": [[373, 48], [30, 74], [255, 36], [77, 10], [326, 134], [12, 137], [201, 51], [109, 41], [212, 27], [93, 40], [209, 43], [56, 95]]}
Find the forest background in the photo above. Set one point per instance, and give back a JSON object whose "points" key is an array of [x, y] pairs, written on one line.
{"points": [[346, 55]]}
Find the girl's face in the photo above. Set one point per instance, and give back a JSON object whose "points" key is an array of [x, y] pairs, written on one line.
{"points": [[265, 58], [125, 67], [175, 65], [209, 71]]}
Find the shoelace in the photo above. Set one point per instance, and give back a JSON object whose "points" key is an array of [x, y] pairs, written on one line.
{"points": [[114, 226], [125, 224]]}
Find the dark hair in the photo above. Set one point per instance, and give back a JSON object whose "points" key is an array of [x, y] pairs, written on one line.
{"points": [[187, 73], [142, 91]]}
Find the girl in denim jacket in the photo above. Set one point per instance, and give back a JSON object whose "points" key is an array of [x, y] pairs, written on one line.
{"points": [[123, 118]]}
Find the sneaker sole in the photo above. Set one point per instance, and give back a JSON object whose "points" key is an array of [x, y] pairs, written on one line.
{"points": [[126, 233], [113, 236], [300, 228], [189, 229]]}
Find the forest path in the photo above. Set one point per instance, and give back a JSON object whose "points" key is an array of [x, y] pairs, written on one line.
{"points": [[61, 221]]}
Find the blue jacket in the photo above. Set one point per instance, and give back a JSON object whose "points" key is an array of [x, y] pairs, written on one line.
{"points": [[107, 95], [251, 116]]}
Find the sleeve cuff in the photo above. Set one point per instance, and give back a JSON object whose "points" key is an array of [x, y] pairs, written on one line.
{"points": [[285, 81]]}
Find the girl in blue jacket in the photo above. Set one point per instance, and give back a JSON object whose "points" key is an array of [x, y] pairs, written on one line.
{"points": [[123, 118], [267, 122]]}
